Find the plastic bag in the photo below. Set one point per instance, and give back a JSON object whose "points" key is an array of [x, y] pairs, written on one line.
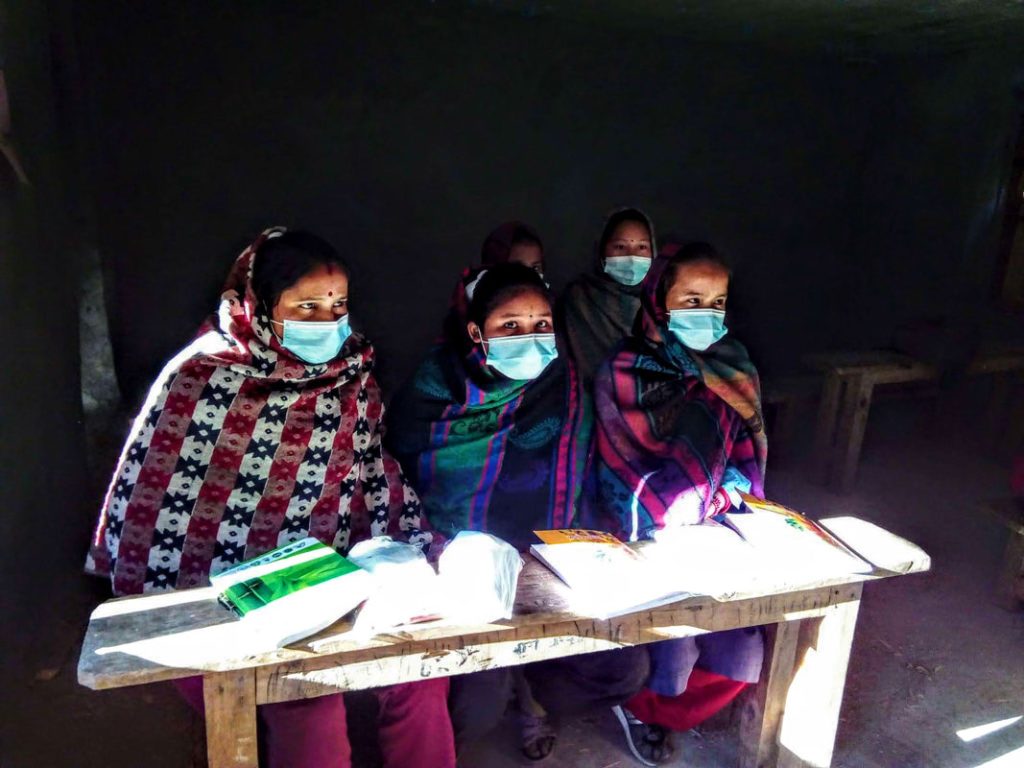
{"points": [[406, 588], [479, 574]]}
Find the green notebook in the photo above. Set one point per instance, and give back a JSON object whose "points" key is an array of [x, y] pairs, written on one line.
{"points": [[294, 590]]}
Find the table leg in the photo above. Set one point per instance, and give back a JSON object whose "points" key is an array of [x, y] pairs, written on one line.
{"points": [[790, 718], [230, 700], [825, 429], [852, 425], [762, 708]]}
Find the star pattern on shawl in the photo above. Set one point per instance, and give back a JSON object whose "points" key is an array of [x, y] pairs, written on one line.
{"points": [[201, 432], [262, 449], [229, 551], [347, 487], [160, 577], [296, 524], [170, 540], [306, 490], [275, 413], [191, 467], [216, 396], [236, 516], [178, 503], [374, 485], [317, 455]]}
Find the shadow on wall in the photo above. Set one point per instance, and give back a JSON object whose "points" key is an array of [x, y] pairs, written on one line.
{"points": [[852, 193]]}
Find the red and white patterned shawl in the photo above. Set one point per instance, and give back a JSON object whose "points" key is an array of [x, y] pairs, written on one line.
{"points": [[242, 447]]}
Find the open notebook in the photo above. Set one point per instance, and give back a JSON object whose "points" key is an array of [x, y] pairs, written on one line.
{"points": [[764, 547]]}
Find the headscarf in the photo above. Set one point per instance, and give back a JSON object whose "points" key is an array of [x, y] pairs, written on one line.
{"points": [[597, 312], [488, 453], [242, 447], [496, 249], [670, 420]]}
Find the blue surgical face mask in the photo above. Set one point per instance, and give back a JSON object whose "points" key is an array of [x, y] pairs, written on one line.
{"points": [[521, 357], [628, 270], [315, 342], [697, 329]]}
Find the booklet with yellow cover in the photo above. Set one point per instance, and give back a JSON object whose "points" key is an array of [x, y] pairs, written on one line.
{"points": [[608, 578], [763, 546]]}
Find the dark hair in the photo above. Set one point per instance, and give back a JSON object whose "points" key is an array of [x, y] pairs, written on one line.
{"points": [[499, 283], [499, 243], [284, 260], [691, 253], [626, 214]]}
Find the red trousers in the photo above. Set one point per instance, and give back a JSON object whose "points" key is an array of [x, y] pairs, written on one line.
{"points": [[706, 693], [413, 727]]}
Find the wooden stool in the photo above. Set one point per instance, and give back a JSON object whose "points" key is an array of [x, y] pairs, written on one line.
{"points": [[850, 381], [784, 396], [1009, 591]]}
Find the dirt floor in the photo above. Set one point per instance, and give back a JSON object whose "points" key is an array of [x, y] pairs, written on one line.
{"points": [[932, 655]]}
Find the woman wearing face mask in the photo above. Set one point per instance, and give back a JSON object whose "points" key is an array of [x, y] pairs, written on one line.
{"points": [[264, 430], [597, 310], [510, 243], [494, 430], [679, 434]]}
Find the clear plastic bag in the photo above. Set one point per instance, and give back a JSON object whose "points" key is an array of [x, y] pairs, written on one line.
{"points": [[406, 588], [479, 574]]}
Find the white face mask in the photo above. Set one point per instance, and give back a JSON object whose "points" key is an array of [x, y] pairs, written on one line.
{"points": [[627, 270]]}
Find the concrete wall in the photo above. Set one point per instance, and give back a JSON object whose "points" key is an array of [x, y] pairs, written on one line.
{"points": [[853, 192]]}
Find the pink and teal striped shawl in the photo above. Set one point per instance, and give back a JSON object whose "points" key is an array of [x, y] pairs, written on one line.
{"points": [[490, 454], [670, 421]]}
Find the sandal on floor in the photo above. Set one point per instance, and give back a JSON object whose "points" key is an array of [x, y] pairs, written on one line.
{"points": [[536, 735], [650, 744]]}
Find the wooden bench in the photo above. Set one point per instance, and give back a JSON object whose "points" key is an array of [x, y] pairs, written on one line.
{"points": [[789, 719], [1009, 593], [784, 395], [848, 390]]}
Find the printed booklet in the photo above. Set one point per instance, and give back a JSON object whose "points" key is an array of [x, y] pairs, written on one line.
{"points": [[293, 591], [764, 547]]}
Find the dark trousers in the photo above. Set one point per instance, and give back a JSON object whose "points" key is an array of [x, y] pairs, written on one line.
{"points": [[564, 687]]}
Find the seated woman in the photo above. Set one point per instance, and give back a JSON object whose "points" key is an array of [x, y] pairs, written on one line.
{"points": [[514, 243], [510, 243], [264, 430], [494, 430], [597, 310], [679, 433]]}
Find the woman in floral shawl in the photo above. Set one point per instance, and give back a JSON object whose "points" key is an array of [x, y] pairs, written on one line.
{"points": [[264, 430], [679, 434]]}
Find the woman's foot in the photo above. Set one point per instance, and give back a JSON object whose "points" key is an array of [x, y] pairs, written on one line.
{"points": [[650, 744], [537, 737]]}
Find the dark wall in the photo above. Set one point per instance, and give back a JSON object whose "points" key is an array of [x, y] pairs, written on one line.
{"points": [[854, 192]]}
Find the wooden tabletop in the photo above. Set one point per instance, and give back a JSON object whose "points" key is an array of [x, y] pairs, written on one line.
{"points": [[171, 635], [896, 367]]}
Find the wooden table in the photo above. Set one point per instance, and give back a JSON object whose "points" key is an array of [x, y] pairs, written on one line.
{"points": [[789, 719], [850, 381]]}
